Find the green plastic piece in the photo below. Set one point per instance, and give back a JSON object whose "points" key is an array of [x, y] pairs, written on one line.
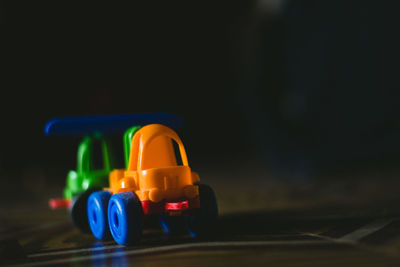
{"points": [[128, 141], [86, 176]]}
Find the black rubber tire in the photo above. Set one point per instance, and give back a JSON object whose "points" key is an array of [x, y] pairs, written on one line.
{"points": [[203, 221], [78, 210]]}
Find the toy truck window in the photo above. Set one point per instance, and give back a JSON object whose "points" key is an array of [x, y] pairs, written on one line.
{"points": [[177, 153], [97, 160]]}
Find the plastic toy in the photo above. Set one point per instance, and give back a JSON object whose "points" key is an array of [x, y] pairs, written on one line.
{"points": [[86, 179], [154, 183], [86, 176]]}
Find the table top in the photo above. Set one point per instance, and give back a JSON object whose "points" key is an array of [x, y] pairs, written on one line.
{"points": [[262, 221]]}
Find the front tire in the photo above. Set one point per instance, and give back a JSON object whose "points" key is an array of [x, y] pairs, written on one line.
{"points": [[202, 221], [125, 218]]}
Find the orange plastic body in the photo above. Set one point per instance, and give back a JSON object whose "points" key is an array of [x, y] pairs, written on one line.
{"points": [[152, 173]]}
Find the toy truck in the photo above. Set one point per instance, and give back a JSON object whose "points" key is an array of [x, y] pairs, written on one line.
{"points": [[87, 178], [154, 183]]}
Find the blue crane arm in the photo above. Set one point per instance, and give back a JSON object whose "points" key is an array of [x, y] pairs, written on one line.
{"points": [[108, 124]]}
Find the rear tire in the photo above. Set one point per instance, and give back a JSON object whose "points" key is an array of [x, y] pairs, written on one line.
{"points": [[78, 210], [125, 218], [97, 214]]}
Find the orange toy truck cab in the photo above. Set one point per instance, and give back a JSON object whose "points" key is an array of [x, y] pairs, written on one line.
{"points": [[153, 174], [153, 183]]}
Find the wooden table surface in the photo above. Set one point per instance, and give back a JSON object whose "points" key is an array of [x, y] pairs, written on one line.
{"points": [[264, 221]]}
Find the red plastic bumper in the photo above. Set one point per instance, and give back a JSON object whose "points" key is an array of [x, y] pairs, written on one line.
{"points": [[162, 207], [58, 203]]}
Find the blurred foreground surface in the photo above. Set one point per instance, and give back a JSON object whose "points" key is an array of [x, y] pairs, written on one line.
{"points": [[349, 220]]}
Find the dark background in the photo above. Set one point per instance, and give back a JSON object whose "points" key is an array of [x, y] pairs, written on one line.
{"points": [[298, 87]]}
